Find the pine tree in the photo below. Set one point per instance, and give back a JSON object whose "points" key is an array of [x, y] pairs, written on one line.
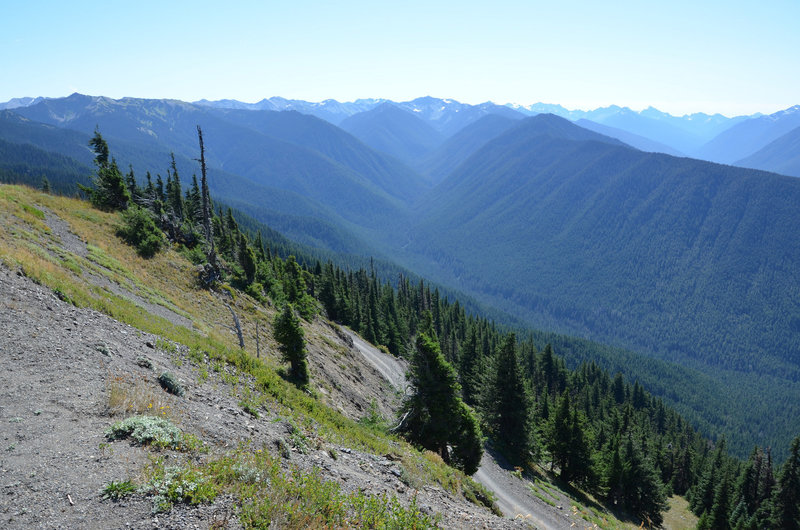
{"points": [[786, 497], [560, 436], [291, 343], [720, 508], [133, 188], [109, 191], [207, 207], [174, 192], [471, 372], [247, 259], [433, 415], [509, 405]]}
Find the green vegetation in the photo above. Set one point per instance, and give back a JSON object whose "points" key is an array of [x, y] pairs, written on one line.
{"points": [[681, 260], [147, 430], [170, 383], [433, 415], [171, 280], [108, 191], [270, 496], [291, 343], [600, 433], [119, 490], [140, 231]]}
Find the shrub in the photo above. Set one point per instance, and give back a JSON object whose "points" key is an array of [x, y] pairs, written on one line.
{"points": [[147, 430], [141, 231], [170, 383], [175, 484], [118, 490]]}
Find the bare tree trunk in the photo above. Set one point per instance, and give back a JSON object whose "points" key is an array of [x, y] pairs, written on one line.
{"points": [[236, 323], [211, 253], [258, 348]]}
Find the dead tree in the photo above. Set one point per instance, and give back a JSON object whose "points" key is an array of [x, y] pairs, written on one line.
{"points": [[211, 253]]}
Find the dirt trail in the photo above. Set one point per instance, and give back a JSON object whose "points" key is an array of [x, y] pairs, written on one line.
{"points": [[513, 496], [392, 368]]}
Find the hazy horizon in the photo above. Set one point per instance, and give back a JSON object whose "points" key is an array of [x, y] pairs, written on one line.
{"points": [[733, 58]]}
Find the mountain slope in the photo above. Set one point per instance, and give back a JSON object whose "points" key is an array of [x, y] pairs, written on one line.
{"points": [[394, 131], [634, 140], [747, 137], [442, 161], [781, 155], [310, 132], [71, 373], [369, 194], [449, 116], [644, 250], [25, 163], [612, 216]]}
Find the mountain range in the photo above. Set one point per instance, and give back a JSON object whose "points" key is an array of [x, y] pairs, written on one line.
{"points": [[583, 227]]}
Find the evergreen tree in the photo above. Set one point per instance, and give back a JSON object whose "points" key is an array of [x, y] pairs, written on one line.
{"points": [[109, 191], [247, 259], [133, 189], [702, 494], [174, 192], [635, 483], [433, 415], [509, 406], [786, 497], [560, 437], [720, 508], [471, 369], [291, 343]]}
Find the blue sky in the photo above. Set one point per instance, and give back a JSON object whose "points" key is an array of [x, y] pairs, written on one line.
{"points": [[733, 57]]}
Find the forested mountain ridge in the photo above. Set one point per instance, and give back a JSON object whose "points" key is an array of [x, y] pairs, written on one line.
{"points": [[394, 131], [443, 160], [630, 248], [636, 249], [781, 155], [634, 140], [610, 212], [748, 136]]}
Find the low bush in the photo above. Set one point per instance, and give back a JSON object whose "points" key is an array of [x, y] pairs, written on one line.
{"points": [[140, 230], [118, 490], [147, 430], [170, 383]]}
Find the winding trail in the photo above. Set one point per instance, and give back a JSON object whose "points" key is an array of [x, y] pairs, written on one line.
{"points": [[392, 368], [513, 496]]}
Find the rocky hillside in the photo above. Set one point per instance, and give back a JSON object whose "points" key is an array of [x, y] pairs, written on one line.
{"points": [[89, 329]]}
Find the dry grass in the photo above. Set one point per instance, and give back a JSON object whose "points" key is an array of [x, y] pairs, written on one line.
{"points": [[678, 516], [135, 396]]}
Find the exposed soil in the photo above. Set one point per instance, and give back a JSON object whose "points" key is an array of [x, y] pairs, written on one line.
{"points": [[57, 365]]}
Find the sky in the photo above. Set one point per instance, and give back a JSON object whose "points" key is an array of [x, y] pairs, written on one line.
{"points": [[680, 56]]}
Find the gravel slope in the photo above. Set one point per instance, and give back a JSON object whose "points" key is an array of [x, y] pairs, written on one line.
{"points": [[56, 365]]}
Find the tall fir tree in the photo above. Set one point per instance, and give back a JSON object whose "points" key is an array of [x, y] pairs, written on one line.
{"points": [[786, 496], [510, 405], [109, 191], [433, 415], [292, 344]]}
